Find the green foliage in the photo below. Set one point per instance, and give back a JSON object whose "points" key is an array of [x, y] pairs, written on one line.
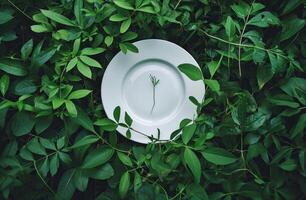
{"points": [[247, 142]]}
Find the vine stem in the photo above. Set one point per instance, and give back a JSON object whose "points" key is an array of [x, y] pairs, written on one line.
{"points": [[242, 45], [41, 178], [241, 37], [27, 16]]}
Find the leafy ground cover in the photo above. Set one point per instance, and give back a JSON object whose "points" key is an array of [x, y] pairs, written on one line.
{"points": [[248, 141]]}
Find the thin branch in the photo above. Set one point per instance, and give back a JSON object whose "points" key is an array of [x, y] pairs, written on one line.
{"points": [[17, 8], [42, 179]]}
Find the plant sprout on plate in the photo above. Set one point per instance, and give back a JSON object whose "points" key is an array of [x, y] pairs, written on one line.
{"points": [[154, 82]]}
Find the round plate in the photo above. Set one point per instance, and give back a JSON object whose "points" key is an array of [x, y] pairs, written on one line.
{"points": [[127, 83]]}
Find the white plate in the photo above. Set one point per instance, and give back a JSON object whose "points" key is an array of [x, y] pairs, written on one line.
{"points": [[126, 83]]}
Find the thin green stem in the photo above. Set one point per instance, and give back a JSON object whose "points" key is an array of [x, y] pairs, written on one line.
{"points": [[243, 45], [241, 37], [42, 179], [17, 8], [154, 82]]}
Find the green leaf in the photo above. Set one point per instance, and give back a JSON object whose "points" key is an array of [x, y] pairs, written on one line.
{"points": [[125, 159], [124, 184], [25, 87], [118, 17], [90, 62], [264, 19], [80, 180], [264, 74], [78, 6], [128, 120], [89, 139], [108, 40], [192, 71], [288, 165], [71, 64], [125, 25], [92, 51], [54, 164], [291, 5], [212, 84], [213, 66], [193, 164], [78, 94], [84, 69], [4, 84], [97, 157], [146, 9], [116, 113], [277, 62], [35, 147], [188, 132], [230, 27], [66, 188], [101, 173], [218, 156], [291, 26], [241, 9], [26, 49], [12, 67], [57, 17], [71, 108], [47, 144], [299, 127], [83, 120], [106, 124], [41, 28], [124, 4], [22, 123], [5, 15]]}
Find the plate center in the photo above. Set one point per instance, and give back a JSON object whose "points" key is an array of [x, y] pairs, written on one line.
{"points": [[149, 104]]}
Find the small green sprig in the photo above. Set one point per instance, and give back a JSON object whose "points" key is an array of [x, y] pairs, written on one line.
{"points": [[154, 82]]}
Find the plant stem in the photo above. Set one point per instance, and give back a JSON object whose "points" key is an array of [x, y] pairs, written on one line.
{"points": [[154, 82], [241, 37]]}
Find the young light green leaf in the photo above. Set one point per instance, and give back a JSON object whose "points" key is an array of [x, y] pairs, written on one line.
{"points": [[193, 164], [78, 94], [84, 69], [118, 17], [192, 71], [71, 108], [124, 4], [71, 64], [90, 62], [92, 51], [125, 25]]}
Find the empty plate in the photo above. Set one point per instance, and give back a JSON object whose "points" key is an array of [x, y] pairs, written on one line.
{"points": [[150, 88]]}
